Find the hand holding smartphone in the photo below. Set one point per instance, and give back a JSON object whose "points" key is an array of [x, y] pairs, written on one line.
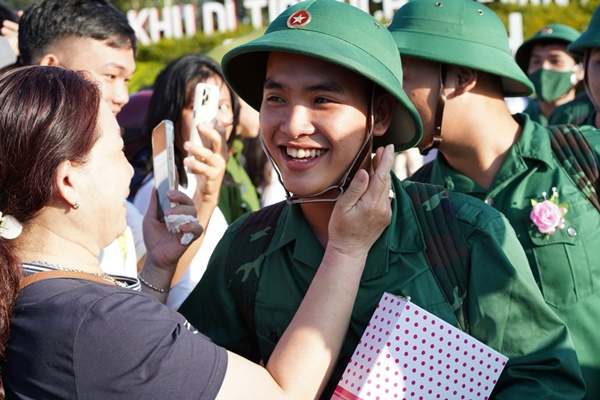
{"points": [[206, 106], [163, 159]]}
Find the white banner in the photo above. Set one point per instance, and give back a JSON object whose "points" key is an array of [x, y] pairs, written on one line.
{"points": [[153, 24]]}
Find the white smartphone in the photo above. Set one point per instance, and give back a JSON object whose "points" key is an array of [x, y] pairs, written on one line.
{"points": [[163, 160], [206, 106]]}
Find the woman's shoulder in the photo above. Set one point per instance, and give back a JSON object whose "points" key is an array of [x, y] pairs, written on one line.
{"points": [[82, 311], [75, 295], [100, 332]]}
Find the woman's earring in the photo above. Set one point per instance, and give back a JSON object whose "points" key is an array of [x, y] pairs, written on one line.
{"points": [[75, 206]]}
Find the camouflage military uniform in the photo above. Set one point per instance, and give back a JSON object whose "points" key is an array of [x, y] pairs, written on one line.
{"points": [[503, 299], [580, 111], [565, 264]]}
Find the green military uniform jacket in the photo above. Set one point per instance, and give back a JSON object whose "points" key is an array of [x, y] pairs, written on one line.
{"points": [[566, 265], [580, 111], [534, 112], [505, 308], [238, 195]]}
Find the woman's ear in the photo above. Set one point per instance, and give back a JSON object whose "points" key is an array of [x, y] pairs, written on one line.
{"points": [[65, 180], [384, 107]]}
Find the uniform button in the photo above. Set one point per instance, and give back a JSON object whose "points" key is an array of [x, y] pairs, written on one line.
{"points": [[489, 201], [572, 231], [273, 336]]}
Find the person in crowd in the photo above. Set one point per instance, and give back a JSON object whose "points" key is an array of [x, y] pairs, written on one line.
{"points": [[507, 161], [327, 81], [82, 35], [60, 137], [554, 72], [251, 156], [239, 195], [91, 36], [173, 99], [583, 110], [132, 119]]}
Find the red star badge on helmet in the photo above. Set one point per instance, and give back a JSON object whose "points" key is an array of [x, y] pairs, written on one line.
{"points": [[298, 19]]}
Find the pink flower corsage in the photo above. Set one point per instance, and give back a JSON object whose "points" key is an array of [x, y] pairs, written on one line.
{"points": [[548, 215]]}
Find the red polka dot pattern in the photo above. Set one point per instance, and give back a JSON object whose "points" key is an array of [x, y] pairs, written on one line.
{"points": [[408, 353]]}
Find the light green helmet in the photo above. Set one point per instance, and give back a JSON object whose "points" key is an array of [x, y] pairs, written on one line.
{"points": [[459, 32], [549, 33], [340, 34], [589, 38]]}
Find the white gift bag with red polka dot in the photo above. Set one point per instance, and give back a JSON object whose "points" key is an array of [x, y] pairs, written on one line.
{"points": [[409, 353]]}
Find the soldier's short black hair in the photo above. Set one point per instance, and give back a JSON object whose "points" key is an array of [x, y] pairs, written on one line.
{"points": [[47, 21]]}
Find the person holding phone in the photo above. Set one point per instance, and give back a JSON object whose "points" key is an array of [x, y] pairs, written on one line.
{"points": [[173, 99], [238, 194], [106, 341]]}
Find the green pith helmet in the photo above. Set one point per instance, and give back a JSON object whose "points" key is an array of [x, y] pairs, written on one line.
{"points": [[459, 32], [589, 38], [549, 33], [340, 34]]}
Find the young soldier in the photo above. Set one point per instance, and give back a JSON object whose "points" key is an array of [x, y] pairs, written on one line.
{"points": [[325, 76], [457, 51], [554, 72], [584, 109]]}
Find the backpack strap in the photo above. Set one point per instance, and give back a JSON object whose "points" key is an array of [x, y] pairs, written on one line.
{"points": [[575, 156], [447, 251], [251, 240]]}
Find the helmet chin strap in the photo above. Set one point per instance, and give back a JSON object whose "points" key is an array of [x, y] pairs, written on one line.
{"points": [[334, 192], [436, 138]]}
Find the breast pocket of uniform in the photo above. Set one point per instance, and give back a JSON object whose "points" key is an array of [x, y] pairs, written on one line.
{"points": [[271, 322], [565, 259]]}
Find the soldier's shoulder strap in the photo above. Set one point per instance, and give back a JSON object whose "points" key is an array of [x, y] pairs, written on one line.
{"points": [[447, 251], [576, 157]]}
